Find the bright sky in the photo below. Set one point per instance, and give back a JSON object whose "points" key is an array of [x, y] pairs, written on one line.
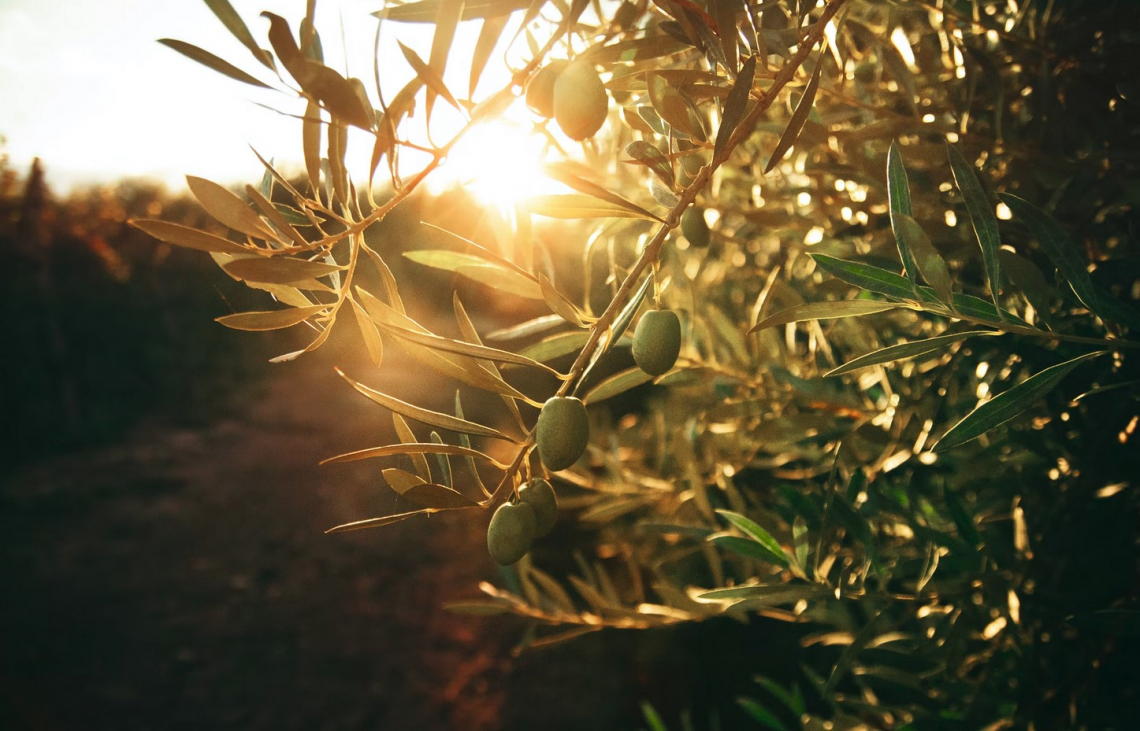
{"points": [[87, 88]]}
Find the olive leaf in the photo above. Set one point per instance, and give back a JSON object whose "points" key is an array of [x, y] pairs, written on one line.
{"points": [[190, 238], [617, 383], [372, 342], [377, 522], [775, 553], [982, 218], [646, 154], [271, 319], [426, 416], [278, 270], [898, 194], [431, 79], [446, 21], [233, 22], [1008, 404], [1061, 251], [406, 436], [799, 117], [905, 351], [211, 61], [735, 105], [930, 263], [584, 206], [824, 311]]}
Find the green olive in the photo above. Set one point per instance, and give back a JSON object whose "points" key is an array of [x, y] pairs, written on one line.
{"points": [[539, 495], [540, 90], [580, 101], [562, 432], [657, 341], [695, 228], [512, 528]]}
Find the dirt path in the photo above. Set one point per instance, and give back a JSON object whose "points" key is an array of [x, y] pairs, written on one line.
{"points": [[182, 580]]}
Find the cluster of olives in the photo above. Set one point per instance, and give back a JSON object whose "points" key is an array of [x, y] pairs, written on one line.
{"points": [[573, 94], [514, 526]]}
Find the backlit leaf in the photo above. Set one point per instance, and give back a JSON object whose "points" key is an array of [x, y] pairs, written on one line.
{"points": [[278, 270], [211, 61], [430, 78], [824, 311], [437, 497], [191, 238], [799, 117], [237, 27], [412, 448], [982, 217], [735, 105], [372, 342], [582, 206], [930, 263], [272, 319], [617, 383], [905, 351], [401, 481], [649, 156], [758, 534], [426, 416], [898, 193], [227, 208], [377, 522], [1008, 404], [1064, 255]]}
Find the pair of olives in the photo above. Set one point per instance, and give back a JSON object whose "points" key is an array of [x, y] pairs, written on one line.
{"points": [[514, 526], [573, 94], [563, 428]]}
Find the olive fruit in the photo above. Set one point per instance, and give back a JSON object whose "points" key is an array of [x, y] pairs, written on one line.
{"points": [[539, 495], [562, 432], [512, 528], [657, 341], [694, 227], [580, 102], [540, 90]]}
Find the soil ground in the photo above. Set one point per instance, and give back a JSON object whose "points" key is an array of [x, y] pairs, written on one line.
{"points": [[181, 579]]}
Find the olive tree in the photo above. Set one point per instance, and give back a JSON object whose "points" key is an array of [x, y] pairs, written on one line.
{"points": [[883, 381]]}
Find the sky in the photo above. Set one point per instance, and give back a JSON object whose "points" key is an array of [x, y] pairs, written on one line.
{"points": [[87, 88]]}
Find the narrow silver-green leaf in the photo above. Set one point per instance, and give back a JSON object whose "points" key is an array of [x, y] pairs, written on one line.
{"points": [[442, 460], [278, 270], [271, 319], [238, 28], [1064, 255], [410, 448], [426, 416], [982, 218], [617, 383], [211, 61], [905, 351], [735, 105], [191, 238], [923, 254], [824, 311], [1008, 404], [758, 534], [898, 194], [799, 117]]}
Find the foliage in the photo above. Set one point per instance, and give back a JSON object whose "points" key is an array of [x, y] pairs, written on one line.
{"points": [[891, 191]]}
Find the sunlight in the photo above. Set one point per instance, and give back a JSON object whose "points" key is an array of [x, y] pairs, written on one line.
{"points": [[499, 162]]}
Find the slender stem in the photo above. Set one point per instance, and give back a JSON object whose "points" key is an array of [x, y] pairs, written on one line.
{"points": [[652, 250]]}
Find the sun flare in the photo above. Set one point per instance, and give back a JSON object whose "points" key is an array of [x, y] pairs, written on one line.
{"points": [[500, 162]]}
